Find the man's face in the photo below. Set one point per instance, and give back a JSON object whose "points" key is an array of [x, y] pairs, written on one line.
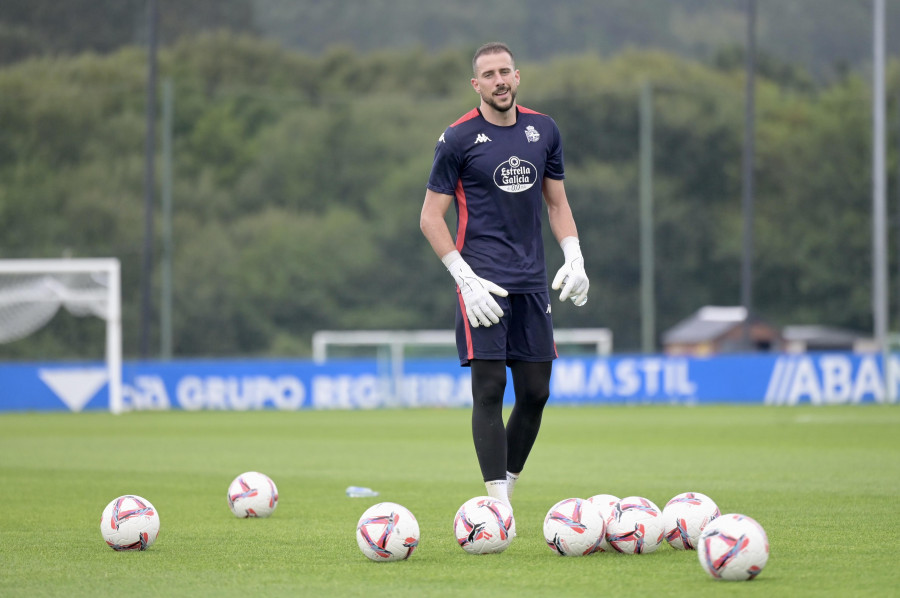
{"points": [[496, 80]]}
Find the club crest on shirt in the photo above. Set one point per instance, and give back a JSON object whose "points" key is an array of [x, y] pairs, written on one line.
{"points": [[531, 134], [515, 175]]}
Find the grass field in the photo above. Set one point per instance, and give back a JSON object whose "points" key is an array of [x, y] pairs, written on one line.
{"points": [[823, 481]]}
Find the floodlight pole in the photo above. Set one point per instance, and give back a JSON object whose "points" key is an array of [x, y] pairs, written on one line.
{"points": [[747, 168], [149, 175], [879, 192], [648, 293], [165, 307]]}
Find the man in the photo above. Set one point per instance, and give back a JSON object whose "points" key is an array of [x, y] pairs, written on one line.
{"points": [[499, 164]]}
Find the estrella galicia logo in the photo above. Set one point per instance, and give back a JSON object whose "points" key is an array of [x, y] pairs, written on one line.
{"points": [[515, 175]]}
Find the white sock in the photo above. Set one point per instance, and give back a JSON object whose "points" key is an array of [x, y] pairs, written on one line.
{"points": [[511, 479], [497, 489]]}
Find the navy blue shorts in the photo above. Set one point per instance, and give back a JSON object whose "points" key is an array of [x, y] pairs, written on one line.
{"points": [[525, 332]]}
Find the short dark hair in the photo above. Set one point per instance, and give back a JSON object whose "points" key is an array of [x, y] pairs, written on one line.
{"points": [[490, 48]]}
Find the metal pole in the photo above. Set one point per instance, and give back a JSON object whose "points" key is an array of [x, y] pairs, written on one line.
{"points": [[165, 311], [879, 186], [149, 174], [878, 178], [747, 172], [648, 307]]}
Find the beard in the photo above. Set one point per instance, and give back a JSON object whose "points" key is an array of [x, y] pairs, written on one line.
{"points": [[490, 101]]}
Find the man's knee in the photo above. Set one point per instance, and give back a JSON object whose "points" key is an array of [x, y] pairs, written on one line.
{"points": [[488, 381]]}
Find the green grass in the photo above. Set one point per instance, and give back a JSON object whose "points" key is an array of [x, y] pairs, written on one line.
{"points": [[823, 481]]}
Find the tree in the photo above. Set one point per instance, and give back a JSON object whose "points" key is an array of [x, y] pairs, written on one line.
{"points": [[298, 183]]}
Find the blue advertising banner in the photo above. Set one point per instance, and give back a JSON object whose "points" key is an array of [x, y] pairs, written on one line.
{"points": [[191, 385]]}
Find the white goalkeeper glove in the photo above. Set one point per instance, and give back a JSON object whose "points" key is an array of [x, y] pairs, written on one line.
{"points": [[481, 308], [571, 278]]}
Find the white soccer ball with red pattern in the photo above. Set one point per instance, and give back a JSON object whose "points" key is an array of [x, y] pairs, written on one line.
{"points": [[252, 494], [387, 532], [733, 547], [604, 504], [685, 516], [573, 527], [484, 525], [129, 522], [635, 526]]}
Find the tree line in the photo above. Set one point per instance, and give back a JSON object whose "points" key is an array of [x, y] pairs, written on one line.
{"points": [[298, 181]]}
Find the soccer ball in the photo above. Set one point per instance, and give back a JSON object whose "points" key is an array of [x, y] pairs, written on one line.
{"points": [[635, 526], [733, 547], [685, 516], [387, 532], [604, 504], [484, 525], [252, 494], [573, 527], [129, 523]]}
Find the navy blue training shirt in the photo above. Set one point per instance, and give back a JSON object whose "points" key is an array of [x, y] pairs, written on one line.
{"points": [[495, 175]]}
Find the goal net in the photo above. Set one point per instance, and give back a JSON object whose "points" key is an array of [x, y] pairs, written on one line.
{"points": [[32, 291]]}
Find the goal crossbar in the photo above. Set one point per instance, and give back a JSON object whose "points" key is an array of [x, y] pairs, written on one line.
{"points": [[398, 340]]}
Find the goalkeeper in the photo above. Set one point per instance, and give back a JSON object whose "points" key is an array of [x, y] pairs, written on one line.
{"points": [[499, 164]]}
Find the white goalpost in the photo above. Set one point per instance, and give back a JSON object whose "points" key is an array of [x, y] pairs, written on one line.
{"points": [[32, 291], [600, 340], [397, 340]]}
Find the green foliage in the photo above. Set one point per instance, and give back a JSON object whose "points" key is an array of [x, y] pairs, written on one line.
{"points": [[815, 207], [298, 182]]}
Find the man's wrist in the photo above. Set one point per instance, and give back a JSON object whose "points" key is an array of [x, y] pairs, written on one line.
{"points": [[571, 247], [450, 258]]}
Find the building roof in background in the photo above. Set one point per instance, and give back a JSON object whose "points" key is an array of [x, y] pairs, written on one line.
{"points": [[821, 334], [707, 323]]}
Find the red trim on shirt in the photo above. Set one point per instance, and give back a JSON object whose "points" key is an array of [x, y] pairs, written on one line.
{"points": [[467, 116], [470, 350], [463, 216], [525, 110], [475, 112], [463, 207]]}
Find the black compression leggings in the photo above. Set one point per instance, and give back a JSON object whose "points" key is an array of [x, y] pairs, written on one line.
{"points": [[500, 449]]}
